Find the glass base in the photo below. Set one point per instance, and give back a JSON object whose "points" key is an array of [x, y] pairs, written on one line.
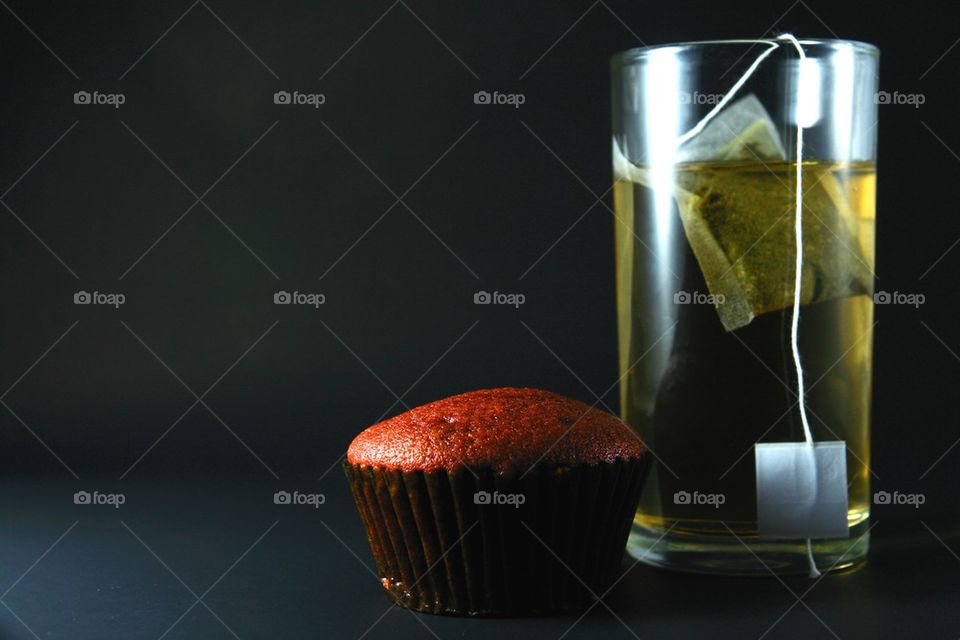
{"points": [[745, 556]]}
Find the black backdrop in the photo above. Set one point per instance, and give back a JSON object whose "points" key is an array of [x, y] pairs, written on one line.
{"points": [[298, 198]]}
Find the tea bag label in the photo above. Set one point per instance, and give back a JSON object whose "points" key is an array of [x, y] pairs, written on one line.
{"points": [[802, 490]]}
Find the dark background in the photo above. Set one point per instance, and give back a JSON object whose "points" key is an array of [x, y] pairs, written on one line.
{"points": [[493, 198]]}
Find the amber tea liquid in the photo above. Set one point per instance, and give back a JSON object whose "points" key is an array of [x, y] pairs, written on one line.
{"points": [[701, 396]]}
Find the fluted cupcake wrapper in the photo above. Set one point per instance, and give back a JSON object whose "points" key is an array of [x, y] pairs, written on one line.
{"points": [[489, 544]]}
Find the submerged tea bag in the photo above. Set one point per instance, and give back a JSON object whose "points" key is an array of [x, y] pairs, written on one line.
{"points": [[739, 221]]}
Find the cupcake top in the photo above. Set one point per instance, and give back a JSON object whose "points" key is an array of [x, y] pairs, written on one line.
{"points": [[503, 429]]}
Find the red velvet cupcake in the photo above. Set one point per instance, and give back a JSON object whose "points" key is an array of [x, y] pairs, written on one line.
{"points": [[497, 502]]}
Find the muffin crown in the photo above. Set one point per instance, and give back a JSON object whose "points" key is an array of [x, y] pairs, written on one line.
{"points": [[505, 429]]}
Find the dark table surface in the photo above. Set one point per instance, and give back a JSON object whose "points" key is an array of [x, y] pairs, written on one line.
{"points": [[217, 559]]}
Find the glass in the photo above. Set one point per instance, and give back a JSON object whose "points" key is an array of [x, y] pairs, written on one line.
{"points": [[705, 141]]}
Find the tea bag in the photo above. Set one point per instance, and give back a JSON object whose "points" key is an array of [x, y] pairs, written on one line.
{"points": [[739, 220]]}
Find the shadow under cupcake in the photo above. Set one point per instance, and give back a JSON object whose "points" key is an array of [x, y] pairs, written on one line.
{"points": [[497, 502]]}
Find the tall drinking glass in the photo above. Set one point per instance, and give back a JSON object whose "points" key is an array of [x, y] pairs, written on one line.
{"points": [[744, 195]]}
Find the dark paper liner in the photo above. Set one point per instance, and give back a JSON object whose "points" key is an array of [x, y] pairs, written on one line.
{"points": [[440, 551]]}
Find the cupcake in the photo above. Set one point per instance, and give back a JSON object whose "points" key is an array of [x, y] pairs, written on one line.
{"points": [[497, 502]]}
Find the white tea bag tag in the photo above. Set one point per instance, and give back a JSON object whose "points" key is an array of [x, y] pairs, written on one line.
{"points": [[802, 490]]}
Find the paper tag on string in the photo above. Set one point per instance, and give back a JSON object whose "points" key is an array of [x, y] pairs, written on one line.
{"points": [[802, 490]]}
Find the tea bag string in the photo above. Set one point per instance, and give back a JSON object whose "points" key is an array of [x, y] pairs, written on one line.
{"points": [[798, 272], [797, 286], [730, 94], [798, 233], [797, 283]]}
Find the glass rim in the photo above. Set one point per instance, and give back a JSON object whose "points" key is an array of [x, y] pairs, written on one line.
{"points": [[637, 54]]}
